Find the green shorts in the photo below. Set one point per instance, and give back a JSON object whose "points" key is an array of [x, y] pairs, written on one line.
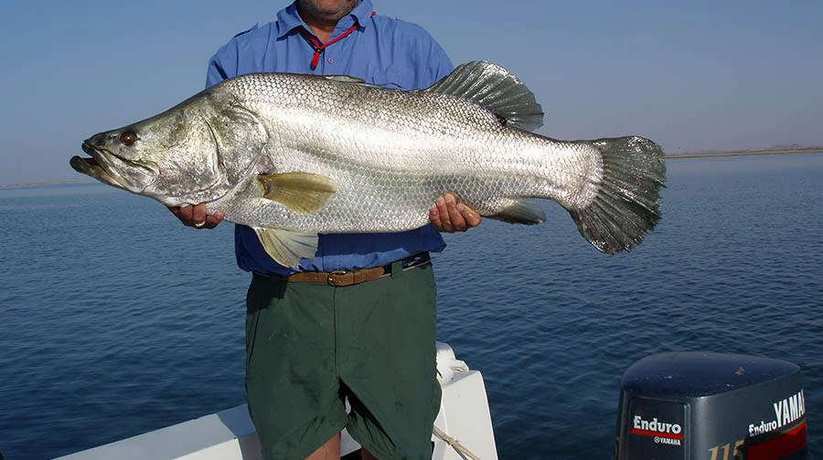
{"points": [[309, 347]]}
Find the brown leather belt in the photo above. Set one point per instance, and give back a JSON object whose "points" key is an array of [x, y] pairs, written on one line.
{"points": [[343, 278]]}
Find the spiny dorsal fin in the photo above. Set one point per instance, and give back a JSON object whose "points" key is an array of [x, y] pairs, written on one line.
{"points": [[521, 212], [496, 89], [345, 79], [285, 247], [299, 191]]}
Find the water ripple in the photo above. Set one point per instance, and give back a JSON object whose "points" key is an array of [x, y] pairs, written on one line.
{"points": [[115, 320]]}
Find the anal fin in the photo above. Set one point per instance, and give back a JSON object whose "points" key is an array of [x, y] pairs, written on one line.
{"points": [[285, 247], [521, 212]]}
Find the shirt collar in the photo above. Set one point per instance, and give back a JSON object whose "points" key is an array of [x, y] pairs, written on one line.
{"points": [[289, 19]]}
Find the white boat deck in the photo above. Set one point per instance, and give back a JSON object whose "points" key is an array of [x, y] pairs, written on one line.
{"points": [[464, 417]]}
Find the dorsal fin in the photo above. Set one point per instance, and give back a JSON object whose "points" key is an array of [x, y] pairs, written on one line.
{"points": [[495, 88], [345, 79]]}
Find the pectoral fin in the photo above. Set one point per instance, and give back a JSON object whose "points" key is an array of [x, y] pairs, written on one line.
{"points": [[285, 247], [299, 191]]}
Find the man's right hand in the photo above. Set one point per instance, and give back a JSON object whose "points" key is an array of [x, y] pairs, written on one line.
{"points": [[197, 216]]}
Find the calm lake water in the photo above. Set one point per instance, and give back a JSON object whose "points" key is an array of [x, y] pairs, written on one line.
{"points": [[116, 320]]}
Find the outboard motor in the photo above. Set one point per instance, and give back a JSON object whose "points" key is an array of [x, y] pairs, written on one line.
{"points": [[711, 406]]}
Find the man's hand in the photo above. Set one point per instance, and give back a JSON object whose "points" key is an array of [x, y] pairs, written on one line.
{"points": [[451, 215], [197, 216]]}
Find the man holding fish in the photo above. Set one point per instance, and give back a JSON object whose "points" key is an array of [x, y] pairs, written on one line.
{"points": [[327, 135], [393, 401]]}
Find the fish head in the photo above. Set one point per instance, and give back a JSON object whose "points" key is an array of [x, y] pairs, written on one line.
{"points": [[192, 153]]}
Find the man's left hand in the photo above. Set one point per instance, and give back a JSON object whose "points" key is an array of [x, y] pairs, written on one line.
{"points": [[450, 215]]}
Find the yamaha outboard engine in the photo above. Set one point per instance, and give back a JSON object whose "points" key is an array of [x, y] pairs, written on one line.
{"points": [[711, 406]]}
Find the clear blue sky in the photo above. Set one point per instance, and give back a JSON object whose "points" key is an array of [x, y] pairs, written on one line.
{"points": [[691, 75]]}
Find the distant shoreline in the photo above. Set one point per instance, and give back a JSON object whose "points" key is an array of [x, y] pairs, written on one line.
{"points": [[672, 156], [743, 153], [48, 183]]}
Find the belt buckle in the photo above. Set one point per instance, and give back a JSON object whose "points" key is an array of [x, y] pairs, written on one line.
{"points": [[330, 279]]}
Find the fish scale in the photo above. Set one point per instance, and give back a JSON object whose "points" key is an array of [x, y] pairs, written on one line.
{"points": [[295, 155]]}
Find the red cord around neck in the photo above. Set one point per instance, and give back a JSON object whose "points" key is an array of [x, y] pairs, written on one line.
{"points": [[319, 46]]}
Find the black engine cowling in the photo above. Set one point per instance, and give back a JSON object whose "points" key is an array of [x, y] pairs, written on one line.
{"points": [[711, 406]]}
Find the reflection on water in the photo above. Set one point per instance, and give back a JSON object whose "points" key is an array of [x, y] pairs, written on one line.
{"points": [[116, 320]]}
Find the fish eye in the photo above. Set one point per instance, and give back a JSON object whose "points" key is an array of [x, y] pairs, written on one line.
{"points": [[128, 137]]}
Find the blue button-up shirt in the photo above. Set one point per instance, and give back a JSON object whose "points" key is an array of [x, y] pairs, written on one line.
{"points": [[382, 51]]}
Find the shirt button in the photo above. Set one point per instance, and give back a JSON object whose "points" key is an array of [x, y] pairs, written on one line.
{"points": [[330, 60]]}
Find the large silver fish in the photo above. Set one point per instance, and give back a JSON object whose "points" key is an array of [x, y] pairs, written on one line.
{"points": [[296, 155]]}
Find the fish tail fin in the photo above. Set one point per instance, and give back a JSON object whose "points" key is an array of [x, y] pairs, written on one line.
{"points": [[626, 204]]}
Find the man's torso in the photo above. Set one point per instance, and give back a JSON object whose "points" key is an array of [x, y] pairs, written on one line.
{"points": [[382, 51]]}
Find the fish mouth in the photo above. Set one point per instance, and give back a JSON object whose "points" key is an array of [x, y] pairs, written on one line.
{"points": [[103, 165], [96, 166]]}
